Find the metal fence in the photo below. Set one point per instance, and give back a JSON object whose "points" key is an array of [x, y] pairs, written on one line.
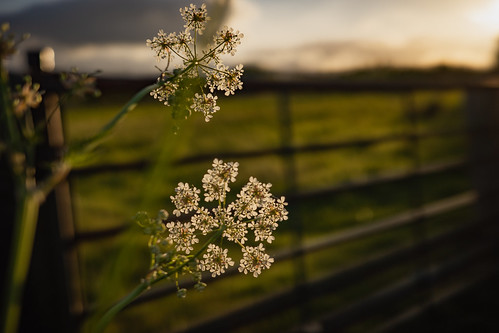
{"points": [[442, 265]]}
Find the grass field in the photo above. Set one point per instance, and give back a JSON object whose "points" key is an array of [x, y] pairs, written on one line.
{"points": [[249, 123]]}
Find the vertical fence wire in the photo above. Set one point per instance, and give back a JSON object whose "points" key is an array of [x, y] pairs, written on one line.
{"points": [[416, 201], [289, 159]]}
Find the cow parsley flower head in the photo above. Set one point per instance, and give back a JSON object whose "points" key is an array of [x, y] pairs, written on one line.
{"points": [[207, 104], [195, 18], [199, 70], [215, 260], [186, 199], [182, 235], [216, 180], [229, 39], [254, 260], [190, 242], [204, 221], [26, 97]]}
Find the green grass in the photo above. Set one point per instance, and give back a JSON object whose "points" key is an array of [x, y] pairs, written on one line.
{"points": [[249, 123]]}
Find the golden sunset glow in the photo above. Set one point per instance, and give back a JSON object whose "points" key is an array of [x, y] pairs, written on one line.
{"points": [[282, 35], [487, 17]]}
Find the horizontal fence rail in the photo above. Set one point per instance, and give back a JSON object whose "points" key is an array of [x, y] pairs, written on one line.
{"points": [[335, 239], [349, 186], [279, 151], [342, 279]]}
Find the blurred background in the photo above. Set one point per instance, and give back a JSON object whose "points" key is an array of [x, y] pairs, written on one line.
{"points": [[378, 120]]}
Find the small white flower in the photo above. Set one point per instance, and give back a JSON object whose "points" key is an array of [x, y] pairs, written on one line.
{"points": [[232, 80], [163, 44], [254, 260], [164, 92], [225, 171], [252, 196], [228, 39], [236, 231], [215, 260], [215, 188], [263, 229], [195, 18], [216, 180], [203, 221], [205, 103], [223, 78], [186, 199], [274, 210], [182, 236]]}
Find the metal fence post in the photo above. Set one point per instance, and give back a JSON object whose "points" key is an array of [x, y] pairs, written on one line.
{"points": [[421, 255], [53, 300], [482, 110], [291, 174]]}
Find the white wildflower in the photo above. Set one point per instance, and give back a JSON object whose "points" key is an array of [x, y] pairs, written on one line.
{"points": [[274, 209], [182, 236], [252, 196], [203, 221], [207, 104], [254, 260], [236, 231], [263, 229], [228, 39], [186, 199], [216, 180], [195, 18], [204, 65], [164, 92], [215, 260]]}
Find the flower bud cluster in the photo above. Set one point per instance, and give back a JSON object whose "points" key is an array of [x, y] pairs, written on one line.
{"points": [[8, 43], [251, 217], [26, 96], [203, 64], [80, 84]]}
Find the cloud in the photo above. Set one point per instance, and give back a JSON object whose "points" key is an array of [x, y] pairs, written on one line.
{"points": [[102, 34], [316, 35], [344, 55], [96, 21]]}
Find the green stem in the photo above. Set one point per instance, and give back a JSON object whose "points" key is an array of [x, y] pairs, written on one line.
{"points": [[20, 256], [91, 143], [22, 245], [115, 309], [109, 315], [60, 173]]}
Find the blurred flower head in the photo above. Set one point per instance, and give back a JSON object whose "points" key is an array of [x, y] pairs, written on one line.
{"points": [[80, 84], [8, 43], [26, 96]]}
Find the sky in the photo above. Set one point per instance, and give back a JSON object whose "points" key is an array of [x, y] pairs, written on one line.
{"points": [[284, 35]]}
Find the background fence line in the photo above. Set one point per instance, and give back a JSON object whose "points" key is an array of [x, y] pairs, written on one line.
{"points": [[424, 277], [478, 238]]}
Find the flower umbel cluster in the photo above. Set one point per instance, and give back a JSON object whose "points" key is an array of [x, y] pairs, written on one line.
{"points": [[251, 217], [80, 84], [26, 97], [8, 44], [190, 86]]}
